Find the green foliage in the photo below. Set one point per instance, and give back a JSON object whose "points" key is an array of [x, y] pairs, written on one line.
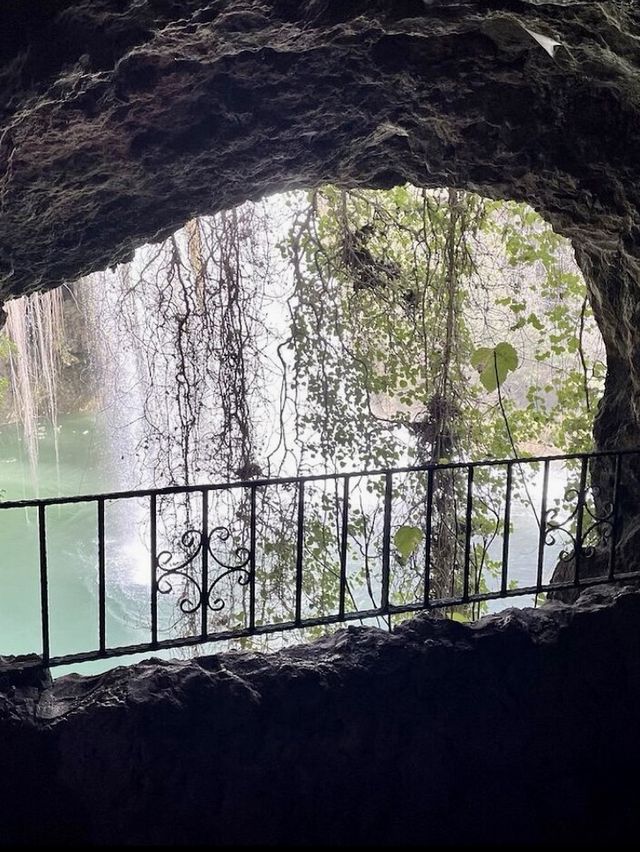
{"points": [[556, 320], [396, 298], [494, 364], [406, 540], [410, 308]]}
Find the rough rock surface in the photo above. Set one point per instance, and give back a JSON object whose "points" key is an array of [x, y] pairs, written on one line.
{"points": [[121, 119], [519, 728]]}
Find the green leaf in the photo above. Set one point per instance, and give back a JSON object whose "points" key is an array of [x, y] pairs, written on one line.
{"points": [[535, 322], [407, 540], [494, 365]]}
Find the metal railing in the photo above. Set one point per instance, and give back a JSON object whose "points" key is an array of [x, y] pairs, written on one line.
{"points": [[458, 520]]}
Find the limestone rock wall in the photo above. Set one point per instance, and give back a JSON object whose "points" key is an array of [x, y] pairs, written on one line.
{"points": [[162, 109], [121, 119], [521, 728]]}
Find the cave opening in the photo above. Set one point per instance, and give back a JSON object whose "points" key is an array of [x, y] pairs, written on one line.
{"points": [[322, 332], [122, 120]]}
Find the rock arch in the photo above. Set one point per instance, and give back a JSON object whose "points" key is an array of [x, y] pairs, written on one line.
{"points": [[121, 119]]}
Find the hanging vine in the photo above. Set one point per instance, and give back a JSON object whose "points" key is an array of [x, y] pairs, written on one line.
{"points": [[328, 331]]}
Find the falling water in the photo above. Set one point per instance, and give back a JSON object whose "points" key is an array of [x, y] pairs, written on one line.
{"points": [[35, 330]]}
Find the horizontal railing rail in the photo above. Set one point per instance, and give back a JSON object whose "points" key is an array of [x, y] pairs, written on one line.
{"points": [[441, 537], [312, 477]]}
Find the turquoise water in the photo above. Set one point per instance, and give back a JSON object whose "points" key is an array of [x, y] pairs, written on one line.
{"points": [[88, 463], [84, 466]]}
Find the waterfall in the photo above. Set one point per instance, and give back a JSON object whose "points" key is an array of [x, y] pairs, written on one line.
{"points": [[36, 333]]}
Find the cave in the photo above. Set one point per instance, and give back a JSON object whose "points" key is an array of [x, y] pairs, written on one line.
{"points": [[120, 121]]}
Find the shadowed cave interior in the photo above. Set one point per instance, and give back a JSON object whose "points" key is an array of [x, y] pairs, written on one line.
{"points": [[119, 122]]}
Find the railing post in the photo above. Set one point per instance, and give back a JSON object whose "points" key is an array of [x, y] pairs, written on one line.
{"points": [[386, 541], [427, 542], [205, 564], [44, 583], [577, 556], [252, 561], [614, 518], [101, 579], [299, 554], [343, 546], [504, 580], [154, 577], [543, 527], [467, 534]]}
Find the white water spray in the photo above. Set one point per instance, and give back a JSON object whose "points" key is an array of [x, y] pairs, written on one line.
{"points": [[36, 333]]}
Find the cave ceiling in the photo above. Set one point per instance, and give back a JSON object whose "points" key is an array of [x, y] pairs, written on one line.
{"points": [[122, 119]]}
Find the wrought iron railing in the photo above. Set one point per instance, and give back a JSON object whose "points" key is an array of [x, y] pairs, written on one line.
{"points": [[439, 537]]}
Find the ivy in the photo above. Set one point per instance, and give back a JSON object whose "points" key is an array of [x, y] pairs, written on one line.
{"points": [[494, 364], [410, 309]]}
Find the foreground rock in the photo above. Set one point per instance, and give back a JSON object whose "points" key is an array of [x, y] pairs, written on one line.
{"points": [[520, 728]]}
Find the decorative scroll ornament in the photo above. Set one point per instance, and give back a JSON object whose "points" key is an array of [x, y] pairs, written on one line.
{"points": [[193, 543], [242, 554], [601, 526], [597, 530]]}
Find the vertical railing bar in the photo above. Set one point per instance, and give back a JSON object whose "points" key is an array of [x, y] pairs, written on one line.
{"points": [[101, 579], [467, 534], [299, 548], [44, 583], [507, 531], [543, 526], [614, 517], [454, 511], [427, 543], [252, 561], [204, 605], [344, 531], [386, 541], [577, 554], [154, 578]]}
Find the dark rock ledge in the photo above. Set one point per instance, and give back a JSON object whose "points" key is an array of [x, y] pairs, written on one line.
{"points": [[520, 728]]}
